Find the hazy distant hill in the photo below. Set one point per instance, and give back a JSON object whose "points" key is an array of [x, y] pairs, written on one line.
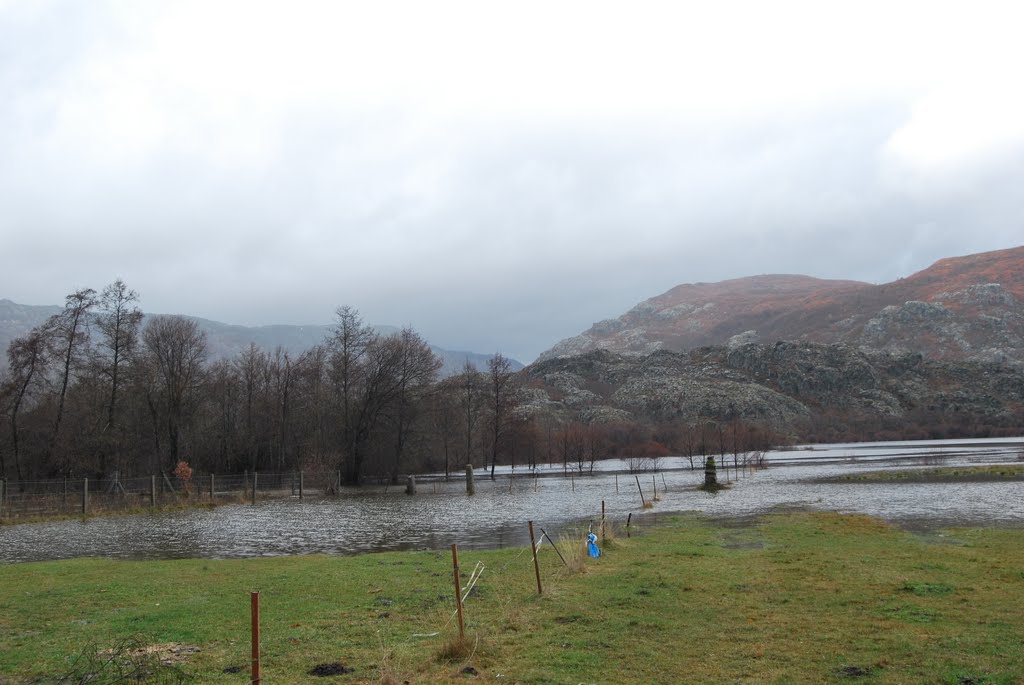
{"points": [[227, 340], [969, 308]]}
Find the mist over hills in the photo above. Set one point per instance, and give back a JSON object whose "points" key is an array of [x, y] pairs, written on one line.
{"points": [[961, 308], [228, 340]]}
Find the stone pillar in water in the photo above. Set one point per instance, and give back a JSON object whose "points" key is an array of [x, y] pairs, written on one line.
{"points": [[410, 485], [710, 473], [470, 487]]}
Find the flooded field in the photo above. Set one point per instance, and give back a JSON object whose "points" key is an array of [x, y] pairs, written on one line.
{"points": [[369, 519]]}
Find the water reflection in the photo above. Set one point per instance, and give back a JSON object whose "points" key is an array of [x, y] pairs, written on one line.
{"points": [[377, 519]]}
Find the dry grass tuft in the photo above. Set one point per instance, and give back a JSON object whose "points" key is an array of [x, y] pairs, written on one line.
{"points": [[574, 548], [456, 649]]}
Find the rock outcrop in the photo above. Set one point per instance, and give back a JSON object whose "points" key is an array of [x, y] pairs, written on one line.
{"points": [[783, 385]]}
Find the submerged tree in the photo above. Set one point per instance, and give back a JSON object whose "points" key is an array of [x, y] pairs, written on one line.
{"points": [[501, 395]]}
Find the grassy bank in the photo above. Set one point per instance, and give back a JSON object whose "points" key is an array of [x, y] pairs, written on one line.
{"points": [[951, 474], [795, 598]]}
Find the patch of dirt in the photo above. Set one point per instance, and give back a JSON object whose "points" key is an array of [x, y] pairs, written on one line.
{"points": [[853, 671], [324, 670]]}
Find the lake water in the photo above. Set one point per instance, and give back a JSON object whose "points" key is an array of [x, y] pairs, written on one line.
{"points": [[369, 519]]}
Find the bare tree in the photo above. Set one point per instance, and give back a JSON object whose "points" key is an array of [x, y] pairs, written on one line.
{"points": [[348, 346], [471, 384], [501, 387], [118, 322], [444, 420], [416, 371], [177, 350], [69, 331], [27, 358]]}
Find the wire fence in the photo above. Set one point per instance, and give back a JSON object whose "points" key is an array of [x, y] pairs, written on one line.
{"points": [[21, 499]]}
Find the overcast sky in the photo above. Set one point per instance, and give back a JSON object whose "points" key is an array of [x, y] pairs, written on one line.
{"points": [[497, 175]]}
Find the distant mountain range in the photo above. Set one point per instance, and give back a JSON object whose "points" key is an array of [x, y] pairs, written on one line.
{"points": [[962, 308], [226, 340]]}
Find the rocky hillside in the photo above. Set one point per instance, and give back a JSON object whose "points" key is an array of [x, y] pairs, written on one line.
{"points": [[962, 308], [787, 386], [227, 340]]}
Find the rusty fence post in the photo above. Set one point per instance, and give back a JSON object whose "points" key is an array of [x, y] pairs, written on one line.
{"points": [[458, 591], [255, 599], [536, 564]]}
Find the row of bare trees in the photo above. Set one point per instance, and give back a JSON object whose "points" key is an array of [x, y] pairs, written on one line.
{"points": [[96, 389]]}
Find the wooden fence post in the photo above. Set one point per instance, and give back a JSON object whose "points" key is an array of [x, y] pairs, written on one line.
{"points": [[152, 491], [302, 478], [536, 565], [458, 591], [212, 490], [602, 522], [3, 496], [255, 600], [642, 500], [470, 486], [255, 477], [85, 496]]}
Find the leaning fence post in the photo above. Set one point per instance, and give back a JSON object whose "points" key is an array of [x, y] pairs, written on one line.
{"points": [[255, 599], [85, 496], [152, 491], [642, 500], [536, 565], [458, 590]]}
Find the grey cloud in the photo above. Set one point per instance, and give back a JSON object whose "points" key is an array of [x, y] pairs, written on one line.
{"points": [[498, 233]]}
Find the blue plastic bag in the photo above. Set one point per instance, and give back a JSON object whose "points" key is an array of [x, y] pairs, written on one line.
{"points": [[592, 545]]}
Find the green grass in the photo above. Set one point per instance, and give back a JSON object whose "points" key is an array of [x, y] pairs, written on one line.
{"points": [[947, 474], [795, 598]]}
